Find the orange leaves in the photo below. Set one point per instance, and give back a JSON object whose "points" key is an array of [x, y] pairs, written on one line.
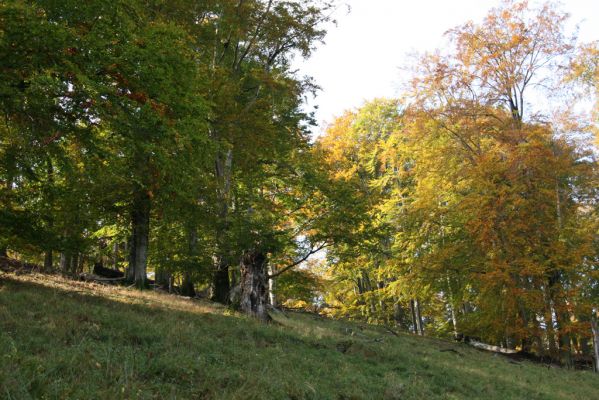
{"points": [[498, 61], [474, 191], [338, 147]]}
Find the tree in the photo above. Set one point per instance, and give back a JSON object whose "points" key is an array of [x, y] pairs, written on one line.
{"points": [[357, 150], [472, 206], [584, 69], [256, 120], [475, 98]]}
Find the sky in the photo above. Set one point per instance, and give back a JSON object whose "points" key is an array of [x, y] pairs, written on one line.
{"points": [[362, 56]]}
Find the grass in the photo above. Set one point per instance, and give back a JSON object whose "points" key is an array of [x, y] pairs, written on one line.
{"points": [[73, 340]]}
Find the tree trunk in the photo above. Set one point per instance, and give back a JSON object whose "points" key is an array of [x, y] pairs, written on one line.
{"points": [[187, 286], [525, 340], [140, 234], [565, 343], [81, 262], [220, 288], [272, 283], [418, 317], [549, 329], [562, 317], [452, 310], [585, 349], [233, 277], [383, 311], [7, 206], [115, 255], [48, 261], [130, 273], [254, 285], [368, 289], [413, 312], [595, 330], [398, 313], [162, 278], [454, 322], [74, 264], [65, 263]]}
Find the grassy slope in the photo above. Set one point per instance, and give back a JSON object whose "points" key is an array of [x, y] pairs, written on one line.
{"points": [[73, 340]]}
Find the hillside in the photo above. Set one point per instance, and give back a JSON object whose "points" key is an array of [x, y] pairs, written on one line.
{"points": [[62, 339]]}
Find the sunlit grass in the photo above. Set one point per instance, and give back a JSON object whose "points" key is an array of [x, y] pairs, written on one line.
{"points": [[61, 339]]}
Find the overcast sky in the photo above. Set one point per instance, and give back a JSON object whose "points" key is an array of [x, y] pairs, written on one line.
{"points": [[362, 54]]}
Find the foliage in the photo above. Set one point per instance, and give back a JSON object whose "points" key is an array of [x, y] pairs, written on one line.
{"points": [[467, 208]]}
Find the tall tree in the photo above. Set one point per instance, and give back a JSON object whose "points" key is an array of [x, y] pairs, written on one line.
{"points": [[257, 98]]}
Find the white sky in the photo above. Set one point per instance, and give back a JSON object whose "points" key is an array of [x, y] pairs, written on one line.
{"points": [[362, 54]]}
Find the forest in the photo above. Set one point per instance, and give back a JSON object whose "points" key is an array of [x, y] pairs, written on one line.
{"points": [[166, 145]]}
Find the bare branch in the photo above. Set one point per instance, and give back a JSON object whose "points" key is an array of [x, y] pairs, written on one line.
{"points": [[301, 260]]}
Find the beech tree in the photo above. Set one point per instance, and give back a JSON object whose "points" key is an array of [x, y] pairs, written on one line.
{"points": [[481, 194]]}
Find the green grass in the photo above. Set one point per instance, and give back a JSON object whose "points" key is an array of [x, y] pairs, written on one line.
{"points": [[70, 340]]}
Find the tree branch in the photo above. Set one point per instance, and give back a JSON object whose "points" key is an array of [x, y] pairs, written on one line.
{"points": [[301, 260]]}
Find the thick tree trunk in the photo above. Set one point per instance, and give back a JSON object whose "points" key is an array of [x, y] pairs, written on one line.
{"points": [[254, 285], [140, 235]]}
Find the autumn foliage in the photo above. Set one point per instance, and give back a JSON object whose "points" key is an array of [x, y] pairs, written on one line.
{"points": [[477, 210]]}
